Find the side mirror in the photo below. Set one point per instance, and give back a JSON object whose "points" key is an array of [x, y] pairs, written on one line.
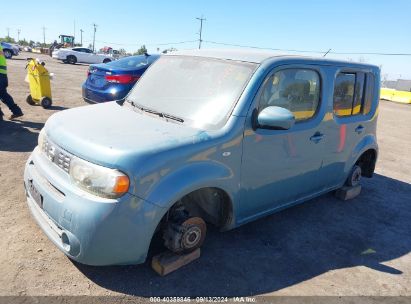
{"points": [[276, 118]]}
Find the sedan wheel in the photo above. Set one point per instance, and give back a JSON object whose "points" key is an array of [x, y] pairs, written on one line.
{"points": [[8, 54]]}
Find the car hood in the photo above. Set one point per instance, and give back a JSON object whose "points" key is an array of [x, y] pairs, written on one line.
{"points": [[116, 136]]}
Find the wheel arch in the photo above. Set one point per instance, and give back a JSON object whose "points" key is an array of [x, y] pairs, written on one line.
{"points": [[365, 155]]}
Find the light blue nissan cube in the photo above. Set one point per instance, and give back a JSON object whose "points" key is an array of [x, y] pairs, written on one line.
{"points": [[207, 137]]}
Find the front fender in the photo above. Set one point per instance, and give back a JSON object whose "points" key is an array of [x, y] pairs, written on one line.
{"points": [[191, 177]]}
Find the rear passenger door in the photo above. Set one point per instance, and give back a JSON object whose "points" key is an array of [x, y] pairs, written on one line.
{"points": [[350, 121]]}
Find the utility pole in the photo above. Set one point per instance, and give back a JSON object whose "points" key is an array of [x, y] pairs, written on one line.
{"points": [[8, 32], [201, 30], [44, 35], [81, 37], [18, 35], [94, 36]]}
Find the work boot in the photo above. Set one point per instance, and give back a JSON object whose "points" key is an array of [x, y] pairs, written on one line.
{"points": [[14, 116]]}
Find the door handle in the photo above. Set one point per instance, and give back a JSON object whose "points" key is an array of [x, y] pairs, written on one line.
{"points": [[359, 129], [317, 137]]}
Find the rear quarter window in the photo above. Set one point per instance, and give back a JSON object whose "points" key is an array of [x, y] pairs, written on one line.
{"points": [[353, 93]]}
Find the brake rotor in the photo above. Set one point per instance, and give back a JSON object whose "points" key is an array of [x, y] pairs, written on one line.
{"points": [[194, 231]]}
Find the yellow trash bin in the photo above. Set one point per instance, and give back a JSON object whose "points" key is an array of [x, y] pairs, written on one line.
{"points": [[39, 81]]}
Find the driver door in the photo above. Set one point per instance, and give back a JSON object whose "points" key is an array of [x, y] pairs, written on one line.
{"points": [[281, 167]]}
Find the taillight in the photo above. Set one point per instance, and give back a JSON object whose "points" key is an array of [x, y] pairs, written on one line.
{"points": [[123, 79]]}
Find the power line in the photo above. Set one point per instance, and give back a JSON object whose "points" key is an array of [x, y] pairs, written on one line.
{"points": [[147, 44], [201, 30], [261, 48], [309, 51]]}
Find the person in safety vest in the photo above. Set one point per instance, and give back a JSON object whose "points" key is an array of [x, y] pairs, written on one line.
{"points": [[4, 96]]}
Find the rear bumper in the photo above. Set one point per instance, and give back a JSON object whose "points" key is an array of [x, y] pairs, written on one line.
{"points": [[92, 95], [89, 229]]}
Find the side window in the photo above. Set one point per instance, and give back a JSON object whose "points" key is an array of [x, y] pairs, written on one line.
{"points": [[297, 90], [344, 94], [358, 97], [369, 93], [353, 93]]}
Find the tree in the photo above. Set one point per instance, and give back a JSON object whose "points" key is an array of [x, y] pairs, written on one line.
{"points": [[122, 52], [169, 50], [8, 40], [23, 42], [141, 51]]}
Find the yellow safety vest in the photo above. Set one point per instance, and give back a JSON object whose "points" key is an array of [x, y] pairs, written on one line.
{"points": [[3, 65]]}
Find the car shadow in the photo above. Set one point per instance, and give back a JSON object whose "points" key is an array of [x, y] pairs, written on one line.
{"points": [[77, 63], [285, 248], [57, 108], [19, 135]]}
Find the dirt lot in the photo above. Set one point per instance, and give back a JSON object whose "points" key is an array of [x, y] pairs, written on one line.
{"points": [[323, 247]]}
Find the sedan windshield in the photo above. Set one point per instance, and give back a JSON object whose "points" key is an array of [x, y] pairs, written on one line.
{"points": [[200, 91]]}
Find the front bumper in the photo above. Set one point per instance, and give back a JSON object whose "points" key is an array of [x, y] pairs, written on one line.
{"points": [[89, 229], [56, 56]]}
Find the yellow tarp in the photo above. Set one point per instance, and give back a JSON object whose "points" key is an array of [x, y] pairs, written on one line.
{"points": [[394, 95]]}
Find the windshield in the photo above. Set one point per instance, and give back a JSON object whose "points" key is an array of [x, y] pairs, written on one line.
{"points": [[200, 91]]}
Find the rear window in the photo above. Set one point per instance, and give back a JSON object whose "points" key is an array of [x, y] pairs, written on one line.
{"points": [[353, 93], [132, 62]]}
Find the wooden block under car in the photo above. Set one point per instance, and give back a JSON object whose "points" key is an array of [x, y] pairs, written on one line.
{"points": [[347, 193], [168, 261]]}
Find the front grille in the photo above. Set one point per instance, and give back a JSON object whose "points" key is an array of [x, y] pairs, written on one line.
{"points": [[57, 155]]}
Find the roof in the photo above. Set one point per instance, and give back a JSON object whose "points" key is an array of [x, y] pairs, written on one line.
{"points": [[257, 56]]}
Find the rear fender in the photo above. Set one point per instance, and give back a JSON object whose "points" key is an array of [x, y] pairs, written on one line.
{"points": [[367, 143]]}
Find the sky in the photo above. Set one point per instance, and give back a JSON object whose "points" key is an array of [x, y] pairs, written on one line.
{"points": [[345, 26]]}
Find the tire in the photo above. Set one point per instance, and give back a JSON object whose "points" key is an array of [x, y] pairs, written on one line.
{"points": [[46, 102], [354, 178], [71, 59], [106, 60], [8, 54], [30, 100]]}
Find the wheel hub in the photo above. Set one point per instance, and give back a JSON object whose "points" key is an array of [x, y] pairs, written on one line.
{"points": [[185, 236]]}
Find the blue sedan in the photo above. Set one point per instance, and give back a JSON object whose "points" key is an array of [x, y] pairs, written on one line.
{"points": [[112, 81]]}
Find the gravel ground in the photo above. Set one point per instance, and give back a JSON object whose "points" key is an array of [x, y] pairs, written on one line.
{"points": [[322, 247]]}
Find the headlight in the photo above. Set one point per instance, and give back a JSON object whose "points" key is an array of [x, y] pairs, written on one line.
{"points": [[40, 141], [98, 180]]}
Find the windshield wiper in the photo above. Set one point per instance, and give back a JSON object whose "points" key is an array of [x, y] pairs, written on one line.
{"points": [[169, 116], [160, 114]]}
